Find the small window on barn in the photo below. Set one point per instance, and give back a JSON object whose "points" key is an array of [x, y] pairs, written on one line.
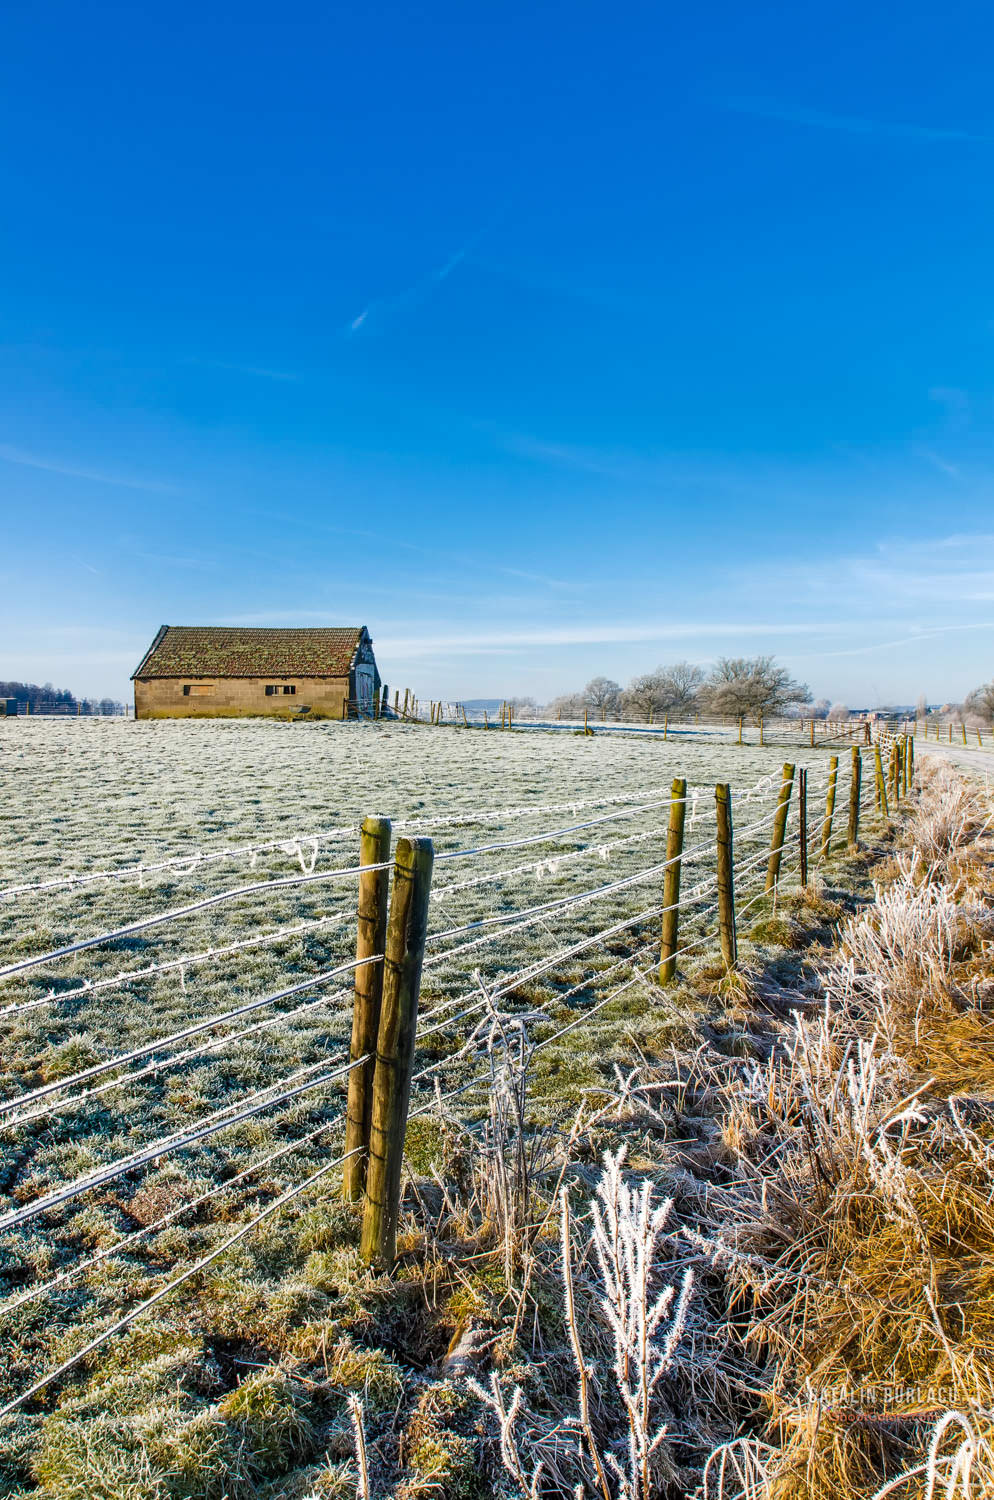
{"points": [[275, 688], [289, 690], [197, 689]]}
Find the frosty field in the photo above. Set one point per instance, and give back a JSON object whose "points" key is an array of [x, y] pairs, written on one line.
{"points": [[115, 1050]]}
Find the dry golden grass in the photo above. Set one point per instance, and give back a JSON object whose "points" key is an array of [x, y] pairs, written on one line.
{"points": [[861, 1260]]}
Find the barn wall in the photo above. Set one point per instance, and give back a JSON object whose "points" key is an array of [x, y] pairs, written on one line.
{"points": [[163, 697]]}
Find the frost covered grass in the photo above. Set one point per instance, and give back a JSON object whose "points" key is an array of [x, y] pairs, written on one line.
{"points": [[290, 1318]]}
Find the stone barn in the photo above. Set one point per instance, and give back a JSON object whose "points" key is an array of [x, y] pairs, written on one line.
{"points": [[223, 671]]}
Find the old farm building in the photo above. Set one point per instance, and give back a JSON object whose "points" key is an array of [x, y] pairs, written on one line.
{"points": [[224, 671]]}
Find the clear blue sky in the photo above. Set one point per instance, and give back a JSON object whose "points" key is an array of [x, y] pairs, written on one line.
{"points": [[545, 340]]}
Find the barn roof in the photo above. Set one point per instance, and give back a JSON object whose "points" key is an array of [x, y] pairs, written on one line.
{"points": [[239, 651]]}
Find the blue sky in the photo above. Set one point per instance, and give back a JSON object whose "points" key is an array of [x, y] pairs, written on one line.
{"points": [[545, 340]]}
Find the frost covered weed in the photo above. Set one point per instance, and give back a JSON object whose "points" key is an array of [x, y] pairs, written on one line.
{"points": [[617, 1452]]}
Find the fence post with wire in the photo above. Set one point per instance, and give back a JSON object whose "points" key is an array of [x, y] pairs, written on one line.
{"points": [[407, 928], [371, 929]]}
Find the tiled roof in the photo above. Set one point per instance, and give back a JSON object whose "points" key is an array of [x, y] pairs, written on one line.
{"points": [[235, 651]]}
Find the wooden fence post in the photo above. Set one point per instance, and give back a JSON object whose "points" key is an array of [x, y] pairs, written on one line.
{"points": [[812, 739], [963, 727], [374, 890], [404, 954], [802, 821], [826, 827], [779, 828], [854, 792], [666, 726], [726, 879], [881, 787], [671, 880], [762, 741], [740, 731]]}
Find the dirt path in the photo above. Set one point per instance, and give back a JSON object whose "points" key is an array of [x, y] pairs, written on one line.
{"points": [[980, 762]]}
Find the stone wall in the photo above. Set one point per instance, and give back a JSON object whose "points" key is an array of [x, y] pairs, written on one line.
{"points": [[231, 697]]}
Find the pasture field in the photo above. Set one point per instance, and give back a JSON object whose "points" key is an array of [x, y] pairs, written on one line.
{"points": [[177, 924]]}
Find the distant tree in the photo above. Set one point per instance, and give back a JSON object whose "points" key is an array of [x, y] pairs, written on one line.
{"points": [[746, 687], [680, 685], [667, 690], [837, 713], [819, 709], [921, 707], [602, 694], [567, 705], [981, 701], [642, 696], [109, 706], [43, 697]]}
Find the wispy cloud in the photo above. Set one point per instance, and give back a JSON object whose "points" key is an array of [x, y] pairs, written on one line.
{"points": [[771, 109], [598, 634], [552, 583], [260, 371], [937, 461], [12, 455], [417, 292]]}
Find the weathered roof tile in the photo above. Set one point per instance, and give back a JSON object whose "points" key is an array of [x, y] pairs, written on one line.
{"points": [[240, 651]]}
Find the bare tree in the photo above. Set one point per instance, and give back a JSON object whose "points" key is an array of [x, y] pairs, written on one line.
{"points": [[680, 685], [838, 712], [747, 687], [602, 694], [667, 690], [567, 706], [981, 701], [642, 695]]}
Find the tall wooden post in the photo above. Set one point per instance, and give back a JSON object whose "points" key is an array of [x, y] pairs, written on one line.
{"points": [[855, 783], [881, 784], [812, 739], [740, 731], [405, 944], [779, 828], [802, 821], [666, 726], [826, 827], [726, 878], [374, 888], [762, 741], [671, 880]]}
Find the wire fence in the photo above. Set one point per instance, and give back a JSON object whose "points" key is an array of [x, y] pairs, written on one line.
{"points": [[132, 1099]]}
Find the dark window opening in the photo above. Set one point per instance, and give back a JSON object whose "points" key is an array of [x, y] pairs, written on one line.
{"points": [[275, 688]]}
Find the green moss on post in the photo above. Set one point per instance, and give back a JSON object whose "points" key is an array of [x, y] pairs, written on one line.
{"points": [[779, 828], [854, 793], [671, 881], [826, 827], [404, 954], [374, 887]]}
